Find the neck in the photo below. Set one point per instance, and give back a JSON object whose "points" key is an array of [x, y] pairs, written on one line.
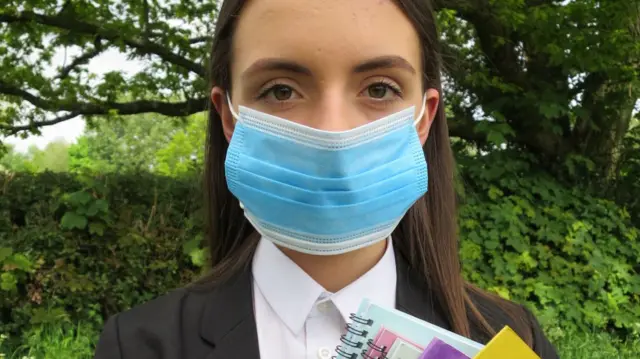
{"points": [[335, 272]]}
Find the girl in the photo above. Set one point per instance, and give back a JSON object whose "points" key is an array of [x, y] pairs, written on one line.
{"points": [[329, 178]]}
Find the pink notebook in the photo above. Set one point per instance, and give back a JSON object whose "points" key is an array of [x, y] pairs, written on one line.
{"points": [[383, 342]]}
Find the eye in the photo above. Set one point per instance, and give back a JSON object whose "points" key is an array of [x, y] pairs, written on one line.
{"points": [[282, 93], [277, 93], [382, 91], [377, 90]]}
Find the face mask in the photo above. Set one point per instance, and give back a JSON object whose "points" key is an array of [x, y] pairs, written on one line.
{"points": [[324, 192]]}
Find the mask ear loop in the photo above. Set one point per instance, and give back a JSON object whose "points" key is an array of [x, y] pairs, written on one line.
{"points": [[233, 112], [235, 117], [424, 106]]}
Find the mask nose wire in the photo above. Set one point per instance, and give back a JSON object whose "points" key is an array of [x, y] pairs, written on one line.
{"points": [[415, 123]]}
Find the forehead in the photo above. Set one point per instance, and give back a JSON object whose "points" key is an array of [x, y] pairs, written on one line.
{"points": [[323, 32]]}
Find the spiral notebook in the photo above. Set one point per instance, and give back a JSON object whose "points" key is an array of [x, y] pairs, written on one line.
{"points": [[371, 319], [384, 343]]}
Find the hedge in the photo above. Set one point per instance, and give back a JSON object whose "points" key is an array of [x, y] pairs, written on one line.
{"points": [[80, 249]]}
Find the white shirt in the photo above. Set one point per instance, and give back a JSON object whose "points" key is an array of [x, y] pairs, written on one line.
{"points": [[296, 317]]}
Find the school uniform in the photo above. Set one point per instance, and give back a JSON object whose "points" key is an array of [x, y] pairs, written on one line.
{"points": [[272, 310]]}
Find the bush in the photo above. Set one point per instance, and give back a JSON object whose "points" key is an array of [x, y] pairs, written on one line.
{"points": [[75, 250], [568, 254]]}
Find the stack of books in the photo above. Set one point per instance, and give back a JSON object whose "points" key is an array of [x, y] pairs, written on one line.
{"points": [[383, 333]]}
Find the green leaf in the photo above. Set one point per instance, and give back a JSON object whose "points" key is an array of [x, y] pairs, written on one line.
{"points": [[80, 198], [72, 220], [96, 228], [5, 252], [198, 257], [8, 281], [191, 245], [98, 206], [20, 261], [495, 193], [495, 137], [501, 291]]}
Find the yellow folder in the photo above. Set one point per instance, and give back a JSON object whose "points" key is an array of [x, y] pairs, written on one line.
{"points": [[506, 345]]}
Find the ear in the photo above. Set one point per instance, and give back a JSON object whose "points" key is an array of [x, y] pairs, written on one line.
{"points": [[219, 100], [431, 108]]}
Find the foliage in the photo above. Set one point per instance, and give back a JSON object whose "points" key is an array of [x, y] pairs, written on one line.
{"points": [[14, 161], [532, 240], [132, 144], [54, 157], [99, 245], [128, 144], [627, 191], [83, 249], [184, 154], [582, 345], [168, 38], [557, 78], [53, 341]]}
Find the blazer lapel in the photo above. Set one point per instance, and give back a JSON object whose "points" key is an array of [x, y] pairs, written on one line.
{"points": [[228, 321], [413, 295]]}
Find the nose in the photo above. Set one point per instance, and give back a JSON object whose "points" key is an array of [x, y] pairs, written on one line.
{"points": [[335, 112]]}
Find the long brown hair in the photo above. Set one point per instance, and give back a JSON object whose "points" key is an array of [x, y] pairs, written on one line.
{"points": [[426, 236]]}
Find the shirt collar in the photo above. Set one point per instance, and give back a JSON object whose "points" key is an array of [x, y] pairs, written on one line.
{"points": [[292, 293]]}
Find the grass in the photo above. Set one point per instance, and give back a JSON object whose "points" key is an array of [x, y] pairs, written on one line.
{"points": [[597, 346], [52, 342], [56, 342]]}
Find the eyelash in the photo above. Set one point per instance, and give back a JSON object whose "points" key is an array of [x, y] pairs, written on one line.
{"points": [[265, 90], [388, 84]]}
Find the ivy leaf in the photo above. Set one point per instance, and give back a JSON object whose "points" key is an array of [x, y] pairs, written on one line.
{"points": [[98, 206], [72, 220], [79, 198]]}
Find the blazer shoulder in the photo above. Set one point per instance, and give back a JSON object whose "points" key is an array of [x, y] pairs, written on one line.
{"points": [[157, 326], [153, 311]]}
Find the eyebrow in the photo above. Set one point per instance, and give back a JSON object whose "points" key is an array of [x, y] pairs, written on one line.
{"points": [[276, 64], [384, 62]]}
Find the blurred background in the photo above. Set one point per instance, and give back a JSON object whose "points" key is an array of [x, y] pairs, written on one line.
{"points": [[102, 128]]}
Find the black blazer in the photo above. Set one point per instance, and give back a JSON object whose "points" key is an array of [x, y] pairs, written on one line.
{"points": [[219, 323]]}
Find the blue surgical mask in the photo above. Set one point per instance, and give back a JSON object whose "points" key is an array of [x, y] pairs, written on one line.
{"points": [[324, 192]]}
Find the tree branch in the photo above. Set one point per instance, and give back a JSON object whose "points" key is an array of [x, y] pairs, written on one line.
{"points": [[63, 21], [14, 130], [465, 130], [197, 40], [80, 60], [184, 108], [463, 125]]}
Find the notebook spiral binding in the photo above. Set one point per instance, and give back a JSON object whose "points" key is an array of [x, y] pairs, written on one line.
{"points": [[352, 341]]}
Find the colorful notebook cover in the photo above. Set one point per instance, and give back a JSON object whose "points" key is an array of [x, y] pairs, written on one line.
{"points": [[383, 342], [438, 349], [371, 317], [402, 349], [506, 345]]}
